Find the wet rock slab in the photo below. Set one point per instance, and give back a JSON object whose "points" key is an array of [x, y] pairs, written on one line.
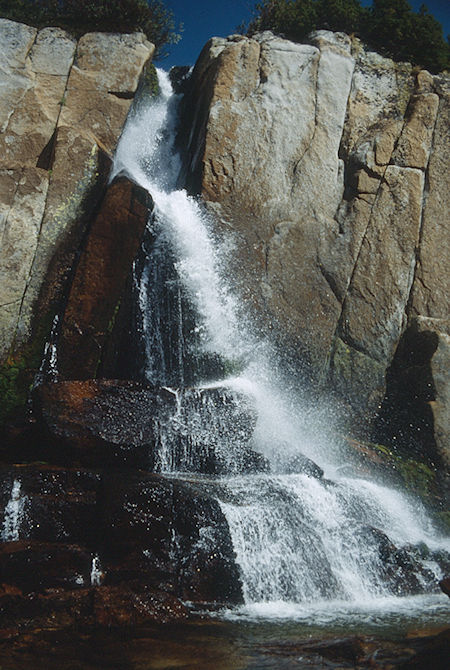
{"points": [[101, 422], [108, 548], [108, 422], [100, 278]]}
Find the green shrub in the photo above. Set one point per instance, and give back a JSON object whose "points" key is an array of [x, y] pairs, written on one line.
{"points": [[389, 26], [81, 16]]}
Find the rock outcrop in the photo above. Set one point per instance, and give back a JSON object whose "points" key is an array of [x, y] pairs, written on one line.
{"points": [[62, 110], [329, 164], [125, 424], [100, 279], [108, 548]]}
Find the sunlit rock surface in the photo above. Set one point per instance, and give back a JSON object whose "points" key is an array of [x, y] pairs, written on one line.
{"points": [[330, 165], [62, 109]]}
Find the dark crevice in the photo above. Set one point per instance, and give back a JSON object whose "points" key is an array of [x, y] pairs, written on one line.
{"points": [[123, 95], [331, 283], [405, 419], [425, 192], [47, 155]]}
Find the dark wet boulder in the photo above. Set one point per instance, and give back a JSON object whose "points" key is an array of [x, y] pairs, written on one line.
{"points": [[108, 548], [208, 571], [252, 462], [445, 585], [403, 571], [300, 464], [127, 606], [38, 566], [209, 433], [111, 606], [101, 422], [105, 423], [49, 503], [52, 609], [169, 535], [68, 528]]}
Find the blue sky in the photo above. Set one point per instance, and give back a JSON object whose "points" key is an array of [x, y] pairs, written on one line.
{"points": [[203, 19]]}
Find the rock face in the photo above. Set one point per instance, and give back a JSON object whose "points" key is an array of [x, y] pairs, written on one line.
{"points": [[418, 390], [100, 278], [330, 165], [108, 548], [127, 424], [62, 110]]}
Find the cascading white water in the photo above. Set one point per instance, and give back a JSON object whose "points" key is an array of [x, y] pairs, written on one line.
{"points": [[298, 538], [14, 512], [146, 152]]}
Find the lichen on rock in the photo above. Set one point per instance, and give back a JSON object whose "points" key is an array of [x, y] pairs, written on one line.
{"points": [[63, 107]]}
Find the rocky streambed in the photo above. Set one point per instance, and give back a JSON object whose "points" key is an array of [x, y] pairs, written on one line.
{"points": [[93, 542], [202, 645], [90, 535]]}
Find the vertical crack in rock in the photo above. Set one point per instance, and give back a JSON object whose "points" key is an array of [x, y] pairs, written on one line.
{"points": [[44, 214], [421, 229], [339, 325], [297, 166]]}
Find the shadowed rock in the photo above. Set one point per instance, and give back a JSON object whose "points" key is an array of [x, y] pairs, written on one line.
{"points": [[445, 586], [114, 549], [100, 278], [108, 422]]}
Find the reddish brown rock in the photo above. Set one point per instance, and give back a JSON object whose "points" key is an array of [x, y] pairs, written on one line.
{"points": [[123, 606], [101, 422], [38, 566], [55, 504], [445, 586], [108, 422], [55, 609], [100, 278], [125, 548]]}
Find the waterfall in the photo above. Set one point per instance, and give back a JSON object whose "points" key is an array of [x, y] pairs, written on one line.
{"points": [[14, 513], [302, 533]]}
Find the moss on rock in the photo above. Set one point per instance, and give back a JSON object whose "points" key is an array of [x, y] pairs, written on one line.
{"points": [[18, 370], [415, 476]]}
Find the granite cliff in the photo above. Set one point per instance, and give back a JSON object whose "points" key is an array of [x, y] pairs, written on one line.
{"points": [[329, 164], [62, 110]]}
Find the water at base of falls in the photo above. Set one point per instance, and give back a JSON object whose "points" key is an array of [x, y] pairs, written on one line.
{"points": [[304, 540]]}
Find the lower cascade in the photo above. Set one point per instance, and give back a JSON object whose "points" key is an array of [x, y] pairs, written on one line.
{"points": [[305, 528]]}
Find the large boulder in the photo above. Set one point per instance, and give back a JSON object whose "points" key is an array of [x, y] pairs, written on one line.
{"points": [[107, 422], [168, 532], [102, 422]]}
